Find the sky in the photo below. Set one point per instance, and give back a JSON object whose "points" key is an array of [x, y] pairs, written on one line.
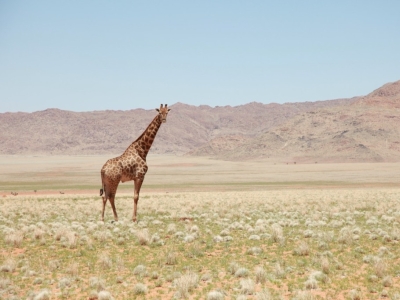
{"points": [[121, 55]]}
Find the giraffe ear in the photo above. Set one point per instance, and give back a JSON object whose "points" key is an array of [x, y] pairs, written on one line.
{"points": [[169, 109], [157, 110]]}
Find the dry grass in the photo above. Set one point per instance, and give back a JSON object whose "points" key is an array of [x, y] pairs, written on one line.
{"points": [[285, 243], [83, 256]]}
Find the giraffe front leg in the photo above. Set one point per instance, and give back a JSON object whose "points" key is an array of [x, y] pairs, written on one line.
{"points": [[113, 208], [138, 185]]}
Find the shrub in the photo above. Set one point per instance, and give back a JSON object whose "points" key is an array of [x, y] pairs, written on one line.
{"points": [[319, 276], [279, 271], [171, 258], [206, 277], [139, 289], [188, 238], [264, 295], [8, 266], [387, 281], [186, 283], [215, 295], [43, 295], [4, 283], [254, 251], [277, 233], [224, 232], [311, 284], [241, 272], [71, 241], [325, 265], [345, 236], [304, 295], [302, 249], [261, 275], [380, 268], [73, 269], [139, 270], [233, 267], [105, 261], [143, 236], [97, 283], [354, 295], [15, 238], [247, 286], [104, 295], [154, 275], [64, 283], [194, 228]]}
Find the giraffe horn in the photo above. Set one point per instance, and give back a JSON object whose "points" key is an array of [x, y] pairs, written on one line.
{"points": [[160, 105], [165, 105]]}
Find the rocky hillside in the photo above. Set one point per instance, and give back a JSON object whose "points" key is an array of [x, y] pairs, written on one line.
{"points": [[55, 131], [366, 130]]}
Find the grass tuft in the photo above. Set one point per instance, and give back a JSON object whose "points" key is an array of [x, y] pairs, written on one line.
{"points": [[140, 289]]}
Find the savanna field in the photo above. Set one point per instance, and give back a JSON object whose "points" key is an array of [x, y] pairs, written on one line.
{"points": [[205, 231]]}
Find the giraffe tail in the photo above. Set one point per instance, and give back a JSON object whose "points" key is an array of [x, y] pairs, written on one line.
{"points": [[102, 183]]}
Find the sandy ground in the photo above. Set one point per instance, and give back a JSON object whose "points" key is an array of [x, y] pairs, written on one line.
{"points": [[81, 175], [307, 188]]}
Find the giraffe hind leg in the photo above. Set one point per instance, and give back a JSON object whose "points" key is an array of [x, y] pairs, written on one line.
{"points": [[104, 206], [109, 194], [106, 194]]}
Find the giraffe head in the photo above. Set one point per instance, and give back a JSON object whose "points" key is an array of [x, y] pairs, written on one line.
{"points": [[163, 112]]}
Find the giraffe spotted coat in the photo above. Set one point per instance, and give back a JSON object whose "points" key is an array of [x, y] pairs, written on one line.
{"points": [[131, 165]]}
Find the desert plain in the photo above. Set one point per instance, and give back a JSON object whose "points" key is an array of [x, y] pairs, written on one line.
{"points": [[207, 229]]}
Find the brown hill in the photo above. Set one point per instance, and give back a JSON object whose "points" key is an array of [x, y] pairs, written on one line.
{"points": [[55, 131], [386, 96], [366, 130]]}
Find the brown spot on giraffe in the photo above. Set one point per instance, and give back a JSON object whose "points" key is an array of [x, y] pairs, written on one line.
{"points": [[131, 165]]}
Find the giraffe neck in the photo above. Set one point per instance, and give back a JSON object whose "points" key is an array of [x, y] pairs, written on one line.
{"points": [[144, 142]]}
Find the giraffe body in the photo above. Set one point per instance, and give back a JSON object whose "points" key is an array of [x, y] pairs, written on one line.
{"points": [[131, 165]]}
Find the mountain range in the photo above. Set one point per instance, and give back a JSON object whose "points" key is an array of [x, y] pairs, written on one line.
{"points": [[357, 129]]}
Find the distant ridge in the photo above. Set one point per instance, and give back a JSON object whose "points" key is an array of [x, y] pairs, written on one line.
{"points": [[368, 130], [55, 131], [344, 130]]}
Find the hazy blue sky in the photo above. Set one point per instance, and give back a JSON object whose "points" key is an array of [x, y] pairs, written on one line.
{"points": [[97, 55]]}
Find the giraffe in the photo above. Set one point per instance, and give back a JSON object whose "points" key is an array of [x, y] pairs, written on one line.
{"points": [[131, 165]]}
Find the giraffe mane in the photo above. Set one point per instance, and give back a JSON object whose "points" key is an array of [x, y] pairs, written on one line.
{"points": [[143, 133]]}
